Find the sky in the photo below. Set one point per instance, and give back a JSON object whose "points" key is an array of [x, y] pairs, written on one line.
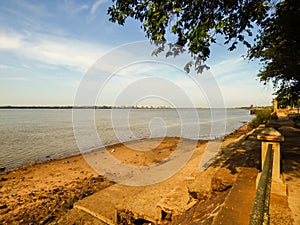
{"points": [[56, 52]]}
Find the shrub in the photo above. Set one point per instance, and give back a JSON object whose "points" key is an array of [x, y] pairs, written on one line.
{"points": [[262, 116]]}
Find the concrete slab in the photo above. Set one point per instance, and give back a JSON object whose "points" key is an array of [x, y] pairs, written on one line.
{"points": [[153, 202], [79, 217], [102, 204], [157, 202], [239, 202]]}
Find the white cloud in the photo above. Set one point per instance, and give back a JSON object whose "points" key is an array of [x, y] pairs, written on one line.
{"points": [[227, 66], [96, 5], [235, 70], [14, 78], [5, 67], [140, 68], [26, 66], [10, 40], [33, 9], [72, 7], [74, 54], [80, 8]]}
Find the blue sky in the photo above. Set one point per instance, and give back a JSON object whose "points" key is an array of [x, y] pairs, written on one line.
{"points": [[48, 47]]}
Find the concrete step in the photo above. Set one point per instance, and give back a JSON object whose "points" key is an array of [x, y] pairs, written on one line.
{"points": [[102, 204], [79, 217], [238, 204], [153, 203]]}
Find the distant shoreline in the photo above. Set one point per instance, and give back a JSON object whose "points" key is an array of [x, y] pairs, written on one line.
{"points": [[82, 107], [85, 107], [108, 107]]}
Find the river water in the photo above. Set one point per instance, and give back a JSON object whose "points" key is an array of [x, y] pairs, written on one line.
{"points": [[29, 135]]}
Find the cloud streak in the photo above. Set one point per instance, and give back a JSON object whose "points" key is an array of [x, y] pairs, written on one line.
{"points": [[15, 78], [5, 67], [227, 66], [96, 5], [59, 51], [10, 40]]}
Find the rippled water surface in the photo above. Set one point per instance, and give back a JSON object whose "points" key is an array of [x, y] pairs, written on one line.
{"points": [[28, 135]]}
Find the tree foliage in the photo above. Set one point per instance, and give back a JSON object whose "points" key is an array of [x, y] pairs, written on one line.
{"points": [[288, 96], [278, 48], [196, 25]]}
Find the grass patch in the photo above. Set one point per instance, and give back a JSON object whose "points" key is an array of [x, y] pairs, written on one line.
{"points": [[262, 117]]}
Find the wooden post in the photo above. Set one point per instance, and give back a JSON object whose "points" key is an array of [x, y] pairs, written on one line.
{"points": [[271, 136]]}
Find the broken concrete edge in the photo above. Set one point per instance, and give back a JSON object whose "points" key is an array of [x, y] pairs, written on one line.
{"points": [[196, 192], [220, 181], [100, 217], [163, 214], [171, 215], [174, 204], [129, 216], [219, 185]]}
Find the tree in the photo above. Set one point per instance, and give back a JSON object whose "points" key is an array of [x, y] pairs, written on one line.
{"points": [[288, 96], [196, 25], [278, 48]]}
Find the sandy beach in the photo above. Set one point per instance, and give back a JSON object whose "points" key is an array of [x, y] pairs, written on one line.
{"points": [[45, 193], [41, 192]]}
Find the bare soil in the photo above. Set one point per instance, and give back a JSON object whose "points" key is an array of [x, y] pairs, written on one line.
{"points": [[42, 193]]}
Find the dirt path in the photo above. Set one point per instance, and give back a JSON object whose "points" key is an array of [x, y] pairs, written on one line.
{"points": [[291, 169]]}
